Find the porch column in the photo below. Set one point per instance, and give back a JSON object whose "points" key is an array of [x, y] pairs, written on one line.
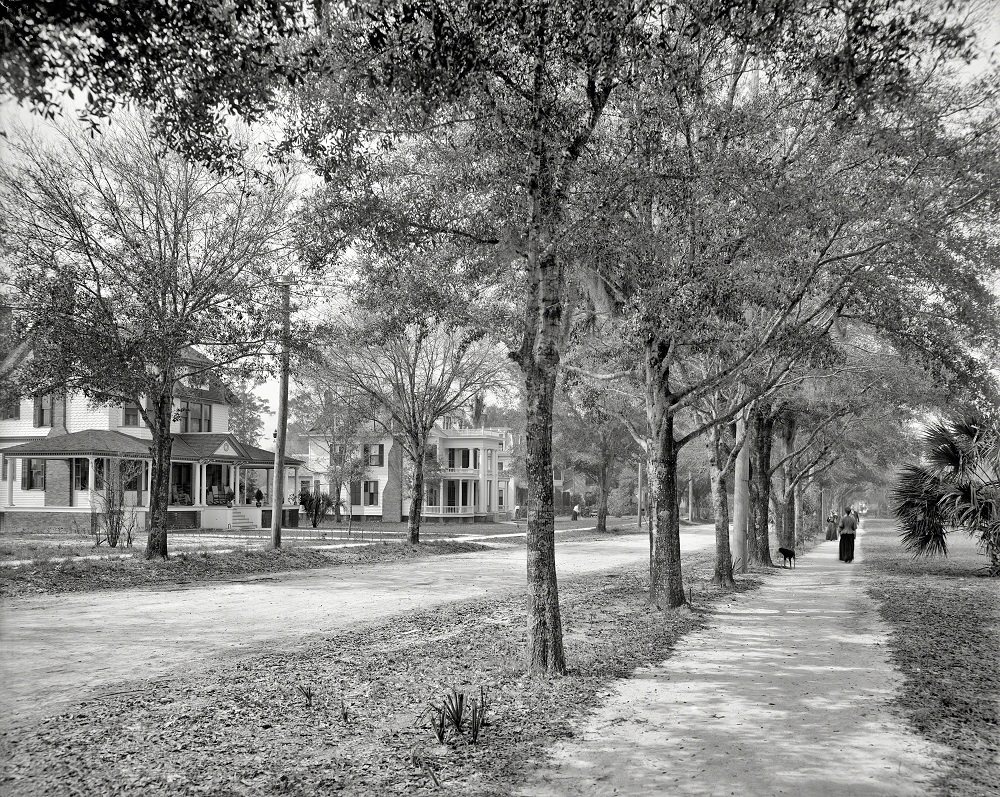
{"points": [[9, 463], [236, 478], [196, 484], [295, 492], [91, 479]]}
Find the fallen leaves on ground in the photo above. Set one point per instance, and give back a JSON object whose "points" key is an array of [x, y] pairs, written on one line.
{"points": [[944, 616], [244, 727], [184, 568]]}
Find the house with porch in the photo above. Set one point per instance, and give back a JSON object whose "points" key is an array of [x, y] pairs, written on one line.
{"points": [[57, 448]]}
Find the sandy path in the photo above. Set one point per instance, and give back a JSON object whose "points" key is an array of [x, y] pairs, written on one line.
{"points": [[55, 649], [783, 694]]}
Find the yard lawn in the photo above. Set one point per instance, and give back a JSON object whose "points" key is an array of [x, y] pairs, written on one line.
{"points": [[83, 575], [346, 712], [945, 637]]}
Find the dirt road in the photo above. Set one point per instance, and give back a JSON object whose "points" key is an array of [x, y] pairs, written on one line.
{"points": [[56, 649]]}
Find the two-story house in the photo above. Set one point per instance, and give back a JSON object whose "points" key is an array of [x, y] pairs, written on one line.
{"points": [[55, 449], [464, 478]]}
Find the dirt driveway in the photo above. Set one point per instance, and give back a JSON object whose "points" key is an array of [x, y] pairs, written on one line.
{"points": [[56, 649]]}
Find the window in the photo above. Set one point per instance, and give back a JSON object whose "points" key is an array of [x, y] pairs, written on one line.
{"points": [[374, 456], [355, 493], [489, 495], [499, 465], [196, 417], [371, 493], [130, 414], [337, 454], [500, 498], [32, 474], [465, 457], [489, 460], [98, 474], [475, 458], [81, 474], [43, 410], [11, 410], [501, 444]]}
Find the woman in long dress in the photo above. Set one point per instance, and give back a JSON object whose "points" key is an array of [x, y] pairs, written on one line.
{"points": [[831, 525]]}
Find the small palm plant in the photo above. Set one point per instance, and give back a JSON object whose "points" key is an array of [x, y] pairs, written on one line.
{"points": [[958, 487]]}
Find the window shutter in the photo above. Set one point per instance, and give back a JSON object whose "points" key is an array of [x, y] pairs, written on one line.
{"points": [[381, 455], [38, 411], [25, 473], [45, 462], [356, 493]]}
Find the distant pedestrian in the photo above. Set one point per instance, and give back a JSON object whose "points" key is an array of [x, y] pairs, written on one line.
{"points": [[848, 528], [831, 524], [576, 512]]}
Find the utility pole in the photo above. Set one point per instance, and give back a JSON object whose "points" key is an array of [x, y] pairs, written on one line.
{"points": [[278, 488]]}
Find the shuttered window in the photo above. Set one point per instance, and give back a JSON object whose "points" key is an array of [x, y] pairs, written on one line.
{"points": [[374, 456], [371, 493], [356, 493], [43, 410]]}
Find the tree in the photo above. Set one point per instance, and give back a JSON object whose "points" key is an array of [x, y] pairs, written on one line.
{"points": [[125, 258], [181, 61], [323, 408], [591, 439], [246, 414], [957, 487], [414, 375]]}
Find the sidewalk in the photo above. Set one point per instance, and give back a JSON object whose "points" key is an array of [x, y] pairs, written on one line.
{"points": [[784, 693]]}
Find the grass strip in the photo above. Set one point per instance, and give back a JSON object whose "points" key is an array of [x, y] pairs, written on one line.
{"points": [[944, 616], [185, 568]]}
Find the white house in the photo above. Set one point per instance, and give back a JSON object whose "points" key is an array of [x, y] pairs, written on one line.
{"points": [[55, 448]]}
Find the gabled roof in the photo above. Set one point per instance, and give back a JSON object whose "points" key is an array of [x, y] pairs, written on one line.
{"points": [[109, 443]]}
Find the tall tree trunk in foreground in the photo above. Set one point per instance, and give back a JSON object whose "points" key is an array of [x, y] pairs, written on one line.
{"points": [[723, 575], [538, 357], [760, 440], [666, 588], [159, 494]]}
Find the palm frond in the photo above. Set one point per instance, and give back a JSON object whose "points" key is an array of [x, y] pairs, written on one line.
{"points": [[918, 500]]}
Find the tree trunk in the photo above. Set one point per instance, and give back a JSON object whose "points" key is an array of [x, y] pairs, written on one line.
{"points": [[416, 497], [336, 506], [723, 575], [788, 520], [798, 506], [666, 588], [159, 494], [759, 545], [545, 647], [602, 498], [741, 499]]}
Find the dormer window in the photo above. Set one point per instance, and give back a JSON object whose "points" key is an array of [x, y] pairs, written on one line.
{"points": [[196, 417]]}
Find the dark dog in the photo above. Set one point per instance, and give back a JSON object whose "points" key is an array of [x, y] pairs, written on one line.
{"points": [[789, 556]]}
